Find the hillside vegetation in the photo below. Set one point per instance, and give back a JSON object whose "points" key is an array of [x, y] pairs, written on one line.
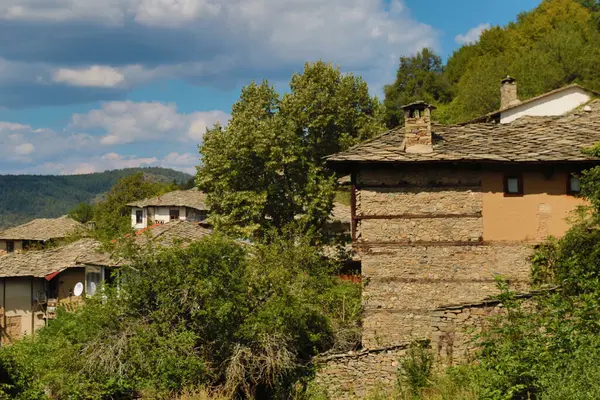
{"points": [[554, 45], [25, 197]]}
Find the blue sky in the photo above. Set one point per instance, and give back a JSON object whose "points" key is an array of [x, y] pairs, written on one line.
{"points": [[88, 85]]}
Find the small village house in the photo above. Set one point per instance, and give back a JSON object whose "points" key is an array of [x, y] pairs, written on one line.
{"points": [[38, 234], [439, 211], [33, 283], [179, 205]]}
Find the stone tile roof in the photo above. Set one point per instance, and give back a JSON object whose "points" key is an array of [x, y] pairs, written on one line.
{"points": [[172, 232], [39, 263], [43, 229], [528, 139], [192, 198]]}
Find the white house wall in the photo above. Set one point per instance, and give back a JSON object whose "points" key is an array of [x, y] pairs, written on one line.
{"points": [[134, 219], [552, 105]]}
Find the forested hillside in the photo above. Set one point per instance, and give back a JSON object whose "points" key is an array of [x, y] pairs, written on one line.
{"points": [[554, 45], [25, 197]]}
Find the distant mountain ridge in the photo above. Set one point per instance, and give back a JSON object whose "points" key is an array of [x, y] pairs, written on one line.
{"points": [[26, 197]]}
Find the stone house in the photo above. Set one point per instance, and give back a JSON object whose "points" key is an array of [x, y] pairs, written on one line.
{"points": [[32, 283], [179, 205], [37, 233], [439, 211]]}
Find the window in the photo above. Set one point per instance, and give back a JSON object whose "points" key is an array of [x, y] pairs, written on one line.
{"points": [[573, 184], [139, 216], [513, 185], [10, 246], [93, 278], [173, 215]]}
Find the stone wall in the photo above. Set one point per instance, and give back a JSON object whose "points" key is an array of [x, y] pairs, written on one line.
{"points": [[355, 374], [420, 237]]}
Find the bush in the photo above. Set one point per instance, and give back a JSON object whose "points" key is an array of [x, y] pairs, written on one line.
{"points": [[217, 313], [416, 368]]}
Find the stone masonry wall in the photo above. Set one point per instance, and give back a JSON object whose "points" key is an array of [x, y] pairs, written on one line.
{"points": [[453, 329], [355, 374], [420, 237]]}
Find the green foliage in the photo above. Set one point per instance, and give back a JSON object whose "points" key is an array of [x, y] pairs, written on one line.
{"points": [[25, 197], [217, 313], [416, 368], [554, 45], [265, 170], [419, 77], [83, 213]]}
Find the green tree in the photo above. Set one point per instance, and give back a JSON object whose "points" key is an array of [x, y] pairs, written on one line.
{"points": [[265, 170], [82, 213], [329, 111], [419, 77]]}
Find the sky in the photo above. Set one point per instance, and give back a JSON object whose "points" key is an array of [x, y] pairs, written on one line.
{"points": [[89, 85]]}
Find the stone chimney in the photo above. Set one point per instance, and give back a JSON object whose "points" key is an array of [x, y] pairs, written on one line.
{"points": [[508, 93], [417, 127]]}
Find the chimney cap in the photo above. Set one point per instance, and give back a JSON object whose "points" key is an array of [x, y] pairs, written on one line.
{"points": [[508, 79], [418, 105]]}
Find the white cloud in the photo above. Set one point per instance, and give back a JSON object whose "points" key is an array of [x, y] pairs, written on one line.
{"points": [[472, 35], [95, 76], [23, 143], [24, 149], [117, 44], [128, 122]]}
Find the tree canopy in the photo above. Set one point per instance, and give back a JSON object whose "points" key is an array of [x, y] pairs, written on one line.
{"points": [[554, 45], [266, 169]]}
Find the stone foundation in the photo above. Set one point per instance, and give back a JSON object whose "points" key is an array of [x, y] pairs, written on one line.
{"points": [[402, 285], [356, 374]]}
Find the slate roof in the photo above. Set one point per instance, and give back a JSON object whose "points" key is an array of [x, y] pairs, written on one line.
{"points": [[43, 229], [528, 139], [192, 198], [172, 232], [39, 263]]}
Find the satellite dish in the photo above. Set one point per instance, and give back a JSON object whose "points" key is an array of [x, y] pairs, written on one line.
{"points": [[78, 289]]}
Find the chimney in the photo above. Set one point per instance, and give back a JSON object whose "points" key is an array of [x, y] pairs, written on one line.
{"points": [[417, 127], [508, 93]]}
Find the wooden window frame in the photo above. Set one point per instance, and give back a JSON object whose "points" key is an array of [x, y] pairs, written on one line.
{"points": [[176, 210], [519, 178], [11, 248], [141, 218], [569, 177]]}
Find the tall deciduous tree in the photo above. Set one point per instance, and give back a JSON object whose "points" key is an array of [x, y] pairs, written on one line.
{"points": [[330, 111], [419, 77], [266, 169]]}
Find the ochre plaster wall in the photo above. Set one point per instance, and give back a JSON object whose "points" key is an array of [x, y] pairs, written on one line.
{"points": [[66, 284], [541, 211]]}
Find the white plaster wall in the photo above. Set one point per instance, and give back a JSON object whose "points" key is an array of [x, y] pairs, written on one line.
{"points": [[161, 214], [18, 244], [134, 225], [553, 105]]}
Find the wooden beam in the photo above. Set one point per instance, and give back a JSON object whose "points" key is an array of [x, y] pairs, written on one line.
{"points": [[418, 216], [407, 185], [366, 245], [353, 205]]}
